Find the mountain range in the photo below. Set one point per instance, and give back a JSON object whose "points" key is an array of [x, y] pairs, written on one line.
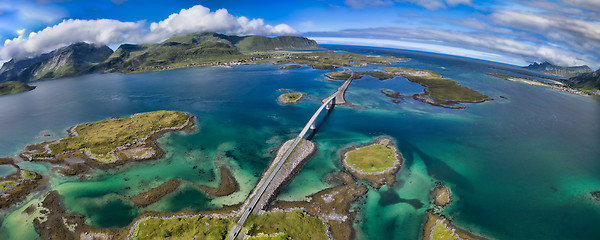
{"points": [[560, 71], [179, 51]]}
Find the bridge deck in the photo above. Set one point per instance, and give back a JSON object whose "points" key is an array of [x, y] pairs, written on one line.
{"points": [[340, 94]]}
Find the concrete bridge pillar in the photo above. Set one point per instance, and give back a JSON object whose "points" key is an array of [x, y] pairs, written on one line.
{"points": [[312, 126]]}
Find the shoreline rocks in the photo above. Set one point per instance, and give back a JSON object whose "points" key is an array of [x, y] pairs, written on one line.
{"points": [[290, 98], [375, 179]]}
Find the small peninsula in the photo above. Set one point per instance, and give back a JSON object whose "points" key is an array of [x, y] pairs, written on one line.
{"points": [[15, 187], [12, 87], [439, 91], [438, 226], [376, 162], [113, 140], [290, 98]]}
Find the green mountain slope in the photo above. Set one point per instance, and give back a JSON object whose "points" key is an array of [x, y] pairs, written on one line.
{"points": [[259, 43], [551, 69], [179, 51], [204, 49], [76, 59], [588, 81]]}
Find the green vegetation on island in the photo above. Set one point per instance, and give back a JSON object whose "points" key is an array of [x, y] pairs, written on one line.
{"points": [[376, 162], [12, 87], [5, 184], [372, 159], [271, 225], [290, 98], [113, 139], [26, 175], [439, 91]]}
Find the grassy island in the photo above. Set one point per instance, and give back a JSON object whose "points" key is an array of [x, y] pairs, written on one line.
{"points": [[271, 225], [12, 87], [113, 139], [376, 162], [290, 98], [439, 91]]}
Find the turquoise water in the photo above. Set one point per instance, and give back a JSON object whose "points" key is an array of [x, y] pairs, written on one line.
{"points": [[520, 167], [6, 170]]}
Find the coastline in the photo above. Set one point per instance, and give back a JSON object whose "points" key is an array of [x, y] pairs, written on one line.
{"points": [[23, 182], [120, 157], [283, 98]]}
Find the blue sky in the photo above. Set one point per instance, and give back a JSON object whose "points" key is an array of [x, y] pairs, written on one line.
{"points": [[564, 32]]}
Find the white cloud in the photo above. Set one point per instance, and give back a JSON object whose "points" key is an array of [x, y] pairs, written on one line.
{"points": [[476, 45], [201, 19], [106, 31], [426, 47], [70, 31], [562, 30]]}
